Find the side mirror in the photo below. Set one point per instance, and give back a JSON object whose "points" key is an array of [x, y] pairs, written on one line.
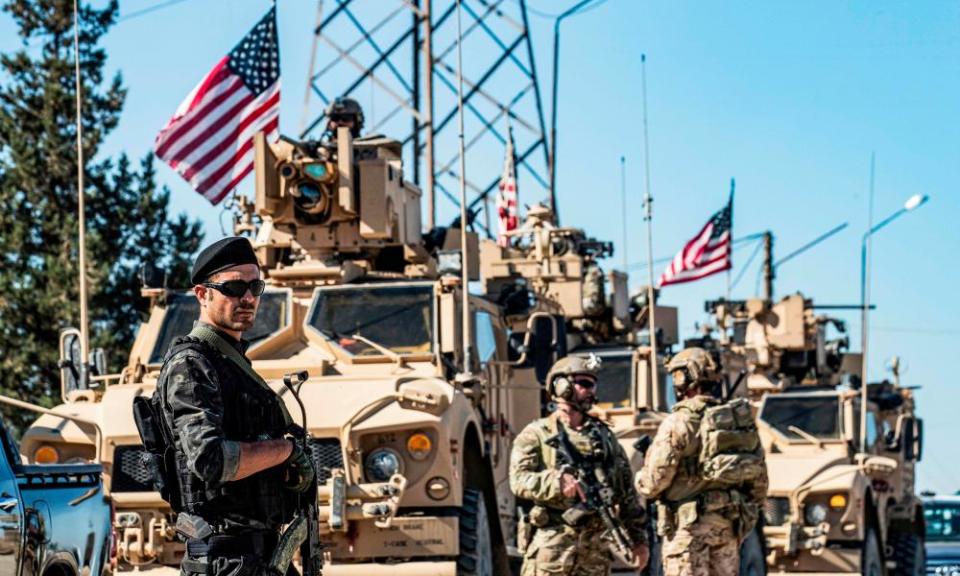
{"points": [[98, 362], [151, 276], [913, 440], [71, 363], [548, 342]]}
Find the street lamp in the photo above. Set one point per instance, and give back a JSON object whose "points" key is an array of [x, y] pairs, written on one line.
{"points": [[553, 109], [912, 203]]}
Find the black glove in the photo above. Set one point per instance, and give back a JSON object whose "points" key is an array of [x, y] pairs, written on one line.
{"points": [[300, 473]]}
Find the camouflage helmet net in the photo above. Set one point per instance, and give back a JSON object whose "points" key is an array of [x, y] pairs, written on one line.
{"points": [[690, 367]]}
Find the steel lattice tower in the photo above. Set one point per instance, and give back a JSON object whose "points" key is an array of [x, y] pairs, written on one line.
{"points": [[398, 60]]}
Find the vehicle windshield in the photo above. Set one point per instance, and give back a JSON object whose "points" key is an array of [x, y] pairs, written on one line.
{"points": [[183, 310], [614, 378], [942, 520], [399, 318], [817, 416]]}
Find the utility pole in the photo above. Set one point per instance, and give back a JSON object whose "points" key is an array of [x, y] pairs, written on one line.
{"points": [[428, 115]]}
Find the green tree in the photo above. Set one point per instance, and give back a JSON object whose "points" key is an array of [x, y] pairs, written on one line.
{"points": [[128, 220]]}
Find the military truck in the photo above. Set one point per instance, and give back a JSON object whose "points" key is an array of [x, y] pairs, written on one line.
{"points": [[411, 444], [837, 503], [561, 267]]}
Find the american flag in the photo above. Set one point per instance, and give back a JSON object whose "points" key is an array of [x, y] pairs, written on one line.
{"points": [[507, 196], [209, 140], [706, 253]]}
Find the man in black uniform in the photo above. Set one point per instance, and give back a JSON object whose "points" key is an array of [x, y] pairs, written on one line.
{"points": [[238, 474]]}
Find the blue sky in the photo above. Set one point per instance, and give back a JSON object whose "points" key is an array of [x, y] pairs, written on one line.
{"points": [[790, 99]]}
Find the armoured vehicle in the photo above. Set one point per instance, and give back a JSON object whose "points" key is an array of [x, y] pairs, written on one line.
{"points": [[410, 443], [561, 267], [836, 504]]}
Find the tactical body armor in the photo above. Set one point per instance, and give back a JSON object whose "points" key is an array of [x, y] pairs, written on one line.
{"points": [[251, 412], [718, 478]]}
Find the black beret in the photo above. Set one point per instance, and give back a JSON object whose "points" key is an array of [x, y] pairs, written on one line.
{"points": [[220, 255]]}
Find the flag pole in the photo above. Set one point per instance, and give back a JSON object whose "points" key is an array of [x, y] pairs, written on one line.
{"points": [[464, 252], [81, 208], [733, 185], [648, 216]]}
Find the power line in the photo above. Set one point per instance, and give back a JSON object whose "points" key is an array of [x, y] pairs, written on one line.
{"points": [[149, 9], [553, 16]]}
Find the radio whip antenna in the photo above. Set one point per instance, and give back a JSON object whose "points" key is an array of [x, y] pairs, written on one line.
{"points": [[648, 216], [82, 247]]}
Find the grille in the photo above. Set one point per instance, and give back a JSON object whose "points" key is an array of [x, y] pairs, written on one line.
{"points": [[326, 455], [776, 511], [949, 567], [130, 473]]}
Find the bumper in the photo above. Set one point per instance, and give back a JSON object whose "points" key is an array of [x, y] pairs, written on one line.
{"points": [[795, 548], [404, 569], [407, 537]]}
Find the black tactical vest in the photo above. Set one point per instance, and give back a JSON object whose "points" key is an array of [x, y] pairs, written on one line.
{"points": [[251, 412]]}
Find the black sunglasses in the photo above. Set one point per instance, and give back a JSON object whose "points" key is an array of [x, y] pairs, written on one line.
{"points": [[238, 288], [585, 381]]}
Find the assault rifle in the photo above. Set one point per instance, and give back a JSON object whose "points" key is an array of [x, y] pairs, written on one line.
{"points": [[597, 491], [304, 531]]}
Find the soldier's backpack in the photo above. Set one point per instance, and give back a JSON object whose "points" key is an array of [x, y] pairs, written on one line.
{"points": [[730, 451], [158, 457]]}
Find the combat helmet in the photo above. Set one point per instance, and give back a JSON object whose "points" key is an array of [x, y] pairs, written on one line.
{"points": [[346, 112], [692, 366], [560, 376]]}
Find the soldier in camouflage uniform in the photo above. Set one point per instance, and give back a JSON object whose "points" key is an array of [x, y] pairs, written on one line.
{"points": [[236, 471], [707, 472], [556, 548]]}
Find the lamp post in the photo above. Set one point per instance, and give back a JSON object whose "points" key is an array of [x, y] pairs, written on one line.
{"points": [[553, 107], [912, 203]]}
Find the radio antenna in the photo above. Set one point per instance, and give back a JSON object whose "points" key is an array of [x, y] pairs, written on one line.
{"points": [[648, 216], [82, 247]]}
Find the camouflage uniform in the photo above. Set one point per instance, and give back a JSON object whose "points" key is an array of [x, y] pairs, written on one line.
{"points": [[701, 529], [557, 548], [210, 404]]}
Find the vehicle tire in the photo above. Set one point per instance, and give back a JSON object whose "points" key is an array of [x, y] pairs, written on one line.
{"points": [[476, 543], [871, 561], [752, 560], [908, 553]]}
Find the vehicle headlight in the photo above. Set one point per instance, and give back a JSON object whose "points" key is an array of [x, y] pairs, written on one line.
{"points": [[815, 513], [419, 446], [128, 519], [46, 454], [381, 464]]}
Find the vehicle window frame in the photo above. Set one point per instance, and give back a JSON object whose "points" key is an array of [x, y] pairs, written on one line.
{"points": [[434, 314], [800, 440], [288, 317], [620, 354]]}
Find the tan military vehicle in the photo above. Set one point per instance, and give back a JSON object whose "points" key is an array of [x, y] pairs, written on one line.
{"points": [[835, 504], [410, 443]]}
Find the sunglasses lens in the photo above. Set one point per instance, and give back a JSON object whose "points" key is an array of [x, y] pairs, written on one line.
{"points": [[257, 287], [234, 288], [586, 382]]}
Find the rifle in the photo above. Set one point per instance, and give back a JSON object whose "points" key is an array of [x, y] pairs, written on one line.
{"points": [[598, 494], [304, 531]]}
